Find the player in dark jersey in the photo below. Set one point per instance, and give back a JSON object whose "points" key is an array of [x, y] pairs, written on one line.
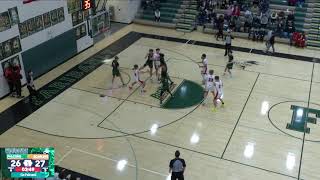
{"points": [[229, 65], [149, 62], [115, 70], [164, 68], [165, 87]]}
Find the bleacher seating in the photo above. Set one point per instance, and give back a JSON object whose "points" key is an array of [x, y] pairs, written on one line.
{"points": [[182, 15], [168, 9]]}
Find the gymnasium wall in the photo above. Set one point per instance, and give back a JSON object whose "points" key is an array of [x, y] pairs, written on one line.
{"points": [[124, 10], [46, 48]]}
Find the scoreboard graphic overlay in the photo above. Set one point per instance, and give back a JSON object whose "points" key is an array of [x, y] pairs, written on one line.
{"points": [[27, 162]]}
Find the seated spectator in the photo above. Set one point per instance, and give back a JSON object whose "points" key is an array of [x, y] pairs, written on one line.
{"points": [[280, 28], [220, 27], [300, 3], [301, 41], [281, 16], [290, 16], [232, 24], [157, 15], [228, 13], [264, 6], [254, 8], [248, 21], [261, 34], [274, 17], [237, 24], [289, 30], [236, 11], [202, 17], [264, 20], [292, 2], [225, 25], [156, 4]]}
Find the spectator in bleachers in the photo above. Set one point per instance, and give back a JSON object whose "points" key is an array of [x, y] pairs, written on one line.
{"points": [[274, 17], [232, 24], [254, 31], [237, 24], [292, 2], [281, 16], [289, 30], [300, 3], [202, 16], [226, 24], [264, 6], [248, 21], [261, 34], [255, 2], [157, 15], [228, 13], [290, 16], [220, 27], [236, 11], [264, 19], [280, 28], [301, 41]]}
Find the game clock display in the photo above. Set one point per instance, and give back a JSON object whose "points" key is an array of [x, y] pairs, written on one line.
{"points": [[27, 162]]}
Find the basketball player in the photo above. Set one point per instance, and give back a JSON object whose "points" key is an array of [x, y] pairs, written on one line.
{"points": [[164, 68], [218, 88], [136, 74], [204, 67], [115, 70], [229, 65], [165, 87], [149, 62], [156, 63], [209, 85]]}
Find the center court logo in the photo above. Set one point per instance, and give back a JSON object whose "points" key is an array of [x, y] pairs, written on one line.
{"points": [[301, 116]]}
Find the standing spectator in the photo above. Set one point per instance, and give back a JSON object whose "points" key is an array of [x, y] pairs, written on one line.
{"points": [[30, 85], [228, 43], [157, 15], [220, 28], [270, 41], [8, 74], [177, 167], [17, 79]]}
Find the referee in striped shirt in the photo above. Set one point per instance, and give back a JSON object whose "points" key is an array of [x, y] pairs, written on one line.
{"points": [[177, 167]]}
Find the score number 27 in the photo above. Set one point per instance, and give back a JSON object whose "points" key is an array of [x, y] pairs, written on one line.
{"points": [[27, 163]]}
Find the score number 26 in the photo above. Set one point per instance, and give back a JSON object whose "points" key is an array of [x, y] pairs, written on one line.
{"points": [[17, 163]]}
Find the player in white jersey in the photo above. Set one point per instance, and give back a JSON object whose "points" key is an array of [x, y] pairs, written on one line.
{"points": [[218, 91], [204, 67], [156, 63], [209, 85], [136, 75]]}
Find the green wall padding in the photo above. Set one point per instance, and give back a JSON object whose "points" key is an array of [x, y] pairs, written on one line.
{"points": [[51, 53]]}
